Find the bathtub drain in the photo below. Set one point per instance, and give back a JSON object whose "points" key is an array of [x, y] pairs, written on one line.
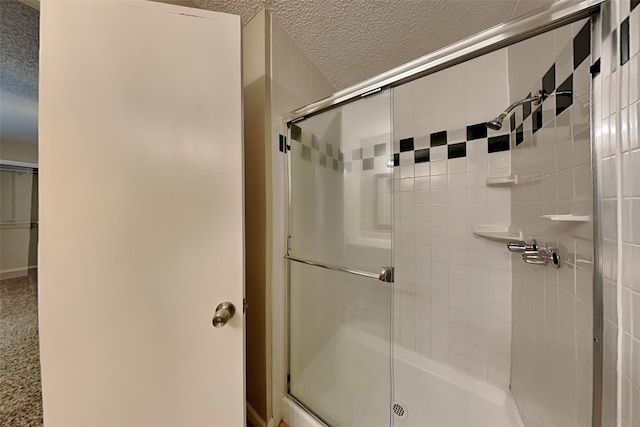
{"points": [[400, 410]]}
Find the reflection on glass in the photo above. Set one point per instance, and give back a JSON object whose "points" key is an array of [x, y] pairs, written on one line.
{"points": [[341, 185], [340, 214]]}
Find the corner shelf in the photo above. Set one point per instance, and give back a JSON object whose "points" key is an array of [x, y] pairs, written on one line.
{"points": [[500, 233], [503, 181], [567, 218]]}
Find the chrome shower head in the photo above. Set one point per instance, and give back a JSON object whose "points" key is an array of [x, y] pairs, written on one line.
{"points": [[495, 124]]}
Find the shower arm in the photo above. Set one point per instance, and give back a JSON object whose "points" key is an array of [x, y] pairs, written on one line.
{"points": [[536, 99]]}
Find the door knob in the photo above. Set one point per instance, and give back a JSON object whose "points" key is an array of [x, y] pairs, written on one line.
{"points": [[224, 312]]}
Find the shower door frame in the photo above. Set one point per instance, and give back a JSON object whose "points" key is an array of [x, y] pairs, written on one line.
{"points": [[490, 40]]}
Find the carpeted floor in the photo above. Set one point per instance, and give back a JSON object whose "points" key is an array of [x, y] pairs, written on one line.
{"points": [[20, 389]]}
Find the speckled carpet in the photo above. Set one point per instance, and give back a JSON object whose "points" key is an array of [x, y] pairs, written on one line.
{"points": [[20, 389]]}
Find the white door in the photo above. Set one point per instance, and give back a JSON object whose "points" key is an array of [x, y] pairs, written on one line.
{"points": [[141, 226]]}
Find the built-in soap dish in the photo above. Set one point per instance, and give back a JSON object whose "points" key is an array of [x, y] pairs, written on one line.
{"points": [[502, 181], [499, 233], [567, 218]]}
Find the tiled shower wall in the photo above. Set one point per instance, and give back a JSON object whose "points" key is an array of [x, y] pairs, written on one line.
{"points": [[295, 81], [453, 290], [553, 308], [617, 35]]}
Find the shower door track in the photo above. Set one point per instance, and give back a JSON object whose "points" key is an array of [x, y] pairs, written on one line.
{"points": [[336, 268]]}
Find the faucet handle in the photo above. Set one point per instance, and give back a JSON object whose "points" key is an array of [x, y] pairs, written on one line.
{"points": [[542, 256], [520, 246]]}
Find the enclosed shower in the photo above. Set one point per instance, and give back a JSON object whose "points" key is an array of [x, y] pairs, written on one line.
{"points": [[441, 259]]}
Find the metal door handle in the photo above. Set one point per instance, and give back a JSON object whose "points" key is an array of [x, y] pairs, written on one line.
{"points": [[386, 275], [224, 311]]}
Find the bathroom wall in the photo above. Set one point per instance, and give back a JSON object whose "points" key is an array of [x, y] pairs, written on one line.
{"points": [[617, 145], [255, 153], [553, 308], [19, 151], [293, 81], [277, 78], [453, 290]]}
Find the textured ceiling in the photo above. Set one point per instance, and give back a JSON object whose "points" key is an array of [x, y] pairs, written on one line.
{"points": [[353, 40], [349, 40]]}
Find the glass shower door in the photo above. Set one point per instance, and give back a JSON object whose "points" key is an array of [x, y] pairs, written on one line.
{"points": [[340, 240]]}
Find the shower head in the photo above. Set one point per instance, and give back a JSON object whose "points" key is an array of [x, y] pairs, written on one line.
{"points": [[496, 124]]}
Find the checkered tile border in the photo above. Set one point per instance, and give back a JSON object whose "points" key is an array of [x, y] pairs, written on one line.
{"points": [[328, 155]]}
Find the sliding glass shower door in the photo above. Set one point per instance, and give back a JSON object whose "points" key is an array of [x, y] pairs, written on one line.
{"points": [[340, 274]]}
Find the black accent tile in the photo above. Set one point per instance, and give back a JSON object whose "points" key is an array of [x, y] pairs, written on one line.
{"points": [[396, 159], [582, 45], [519, 135], [323, 159], [356, 154], [498, 143], [614, 50], [624, 41], [549, 81], [315, 143], [634, 4], [594, 69], [281, 142], [329, 150], [406, 144], [367, 164], [296, 133], [564, 95], [455, 151], [606, 19], [335, 164], [526, 108], [379, 149], [421, 156], [536, 119], [347, 166], [340, 155], [476, 131], [438, 138], [306, 153], [512, 122]]}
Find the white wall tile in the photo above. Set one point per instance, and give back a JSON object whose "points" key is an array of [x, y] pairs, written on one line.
{"points": [[549, 318], [456, 281]]}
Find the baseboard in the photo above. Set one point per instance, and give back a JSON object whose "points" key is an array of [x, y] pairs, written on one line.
{"points": [[254, 418], [16, 272]]}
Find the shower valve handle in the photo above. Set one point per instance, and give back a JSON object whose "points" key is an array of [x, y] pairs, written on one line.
{"points": [[542, 256], [522, 246]]}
